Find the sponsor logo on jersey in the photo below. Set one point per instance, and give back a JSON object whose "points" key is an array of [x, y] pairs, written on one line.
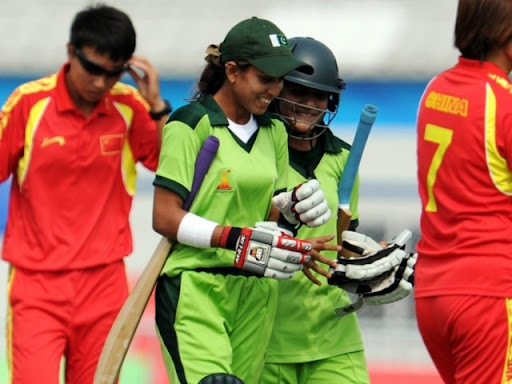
{"points": [[224, 182], [53, 140]]}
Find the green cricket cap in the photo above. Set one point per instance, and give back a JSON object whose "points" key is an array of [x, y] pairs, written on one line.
{"points": [[262, 44]]}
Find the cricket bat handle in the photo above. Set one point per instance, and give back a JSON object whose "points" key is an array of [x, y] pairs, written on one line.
{"points": [[344, 218], [346, 183]]}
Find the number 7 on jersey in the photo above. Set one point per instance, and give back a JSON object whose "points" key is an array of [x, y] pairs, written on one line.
{"points": [[443, 137]]}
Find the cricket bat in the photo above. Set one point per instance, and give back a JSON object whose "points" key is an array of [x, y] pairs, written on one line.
{"points": [[123, 329], [368, 116]]}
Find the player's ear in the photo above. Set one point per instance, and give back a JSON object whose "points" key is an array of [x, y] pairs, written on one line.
{"points": [[70, 50], [231, 71]]}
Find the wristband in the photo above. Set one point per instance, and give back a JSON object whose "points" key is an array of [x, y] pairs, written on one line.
{"points": [[195, 231], [229, 237], [164, 112]]}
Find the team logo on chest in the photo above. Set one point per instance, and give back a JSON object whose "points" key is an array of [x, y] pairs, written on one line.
{"points": [[53, 140], [224, 181], [111, 144]]}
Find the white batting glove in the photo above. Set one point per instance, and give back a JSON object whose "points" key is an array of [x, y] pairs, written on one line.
{"points": [[266, 250], [379, 275], [305, 204], [394, 287], [368, 259]]}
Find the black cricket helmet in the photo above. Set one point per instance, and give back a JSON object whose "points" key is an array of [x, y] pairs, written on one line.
{"points": [[324, 78]]}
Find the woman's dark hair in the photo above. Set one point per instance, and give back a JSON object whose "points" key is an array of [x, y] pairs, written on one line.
{"points": [[212, 78], [210, 81], [481, 26], [106, 29]]}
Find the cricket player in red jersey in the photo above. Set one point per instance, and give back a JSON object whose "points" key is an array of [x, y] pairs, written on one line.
{"points": [[70, 141], [464, 270]]}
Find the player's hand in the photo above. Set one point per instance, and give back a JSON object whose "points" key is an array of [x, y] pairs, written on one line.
{"points": [[146, 78], [314, 264], [266, 250], [304, 204]]}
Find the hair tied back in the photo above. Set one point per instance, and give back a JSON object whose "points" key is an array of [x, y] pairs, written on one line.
{"points": [[213, 54]]}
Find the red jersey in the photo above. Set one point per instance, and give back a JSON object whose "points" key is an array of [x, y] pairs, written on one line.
{"points": [[73, 177], [464, 152]]}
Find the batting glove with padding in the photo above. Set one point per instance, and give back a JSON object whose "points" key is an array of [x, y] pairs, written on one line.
{"points": [[365, 259], [380, 275], [266, 250], [304, 204], [397, 286]]}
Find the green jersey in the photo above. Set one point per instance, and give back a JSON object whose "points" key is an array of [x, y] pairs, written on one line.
{"points": [[306, 327], [238, 188]]}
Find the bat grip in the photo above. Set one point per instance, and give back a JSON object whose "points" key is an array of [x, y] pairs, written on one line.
{"points": [[208, 151], [368, 116]]}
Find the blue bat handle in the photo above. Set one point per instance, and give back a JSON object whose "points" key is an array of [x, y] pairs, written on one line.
{"points": [[368, 115]]}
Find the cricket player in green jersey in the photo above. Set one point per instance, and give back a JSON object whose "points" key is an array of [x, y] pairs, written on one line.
{"points": [[310, 343], [217, 295]]}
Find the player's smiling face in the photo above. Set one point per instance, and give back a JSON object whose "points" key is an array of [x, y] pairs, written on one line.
{"points": [[303, 106], [255, 90]]}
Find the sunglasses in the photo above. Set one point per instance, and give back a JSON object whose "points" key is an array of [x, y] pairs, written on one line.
{"points": [[96, 69]]}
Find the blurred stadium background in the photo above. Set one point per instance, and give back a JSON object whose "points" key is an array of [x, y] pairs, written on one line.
{"points": [[387, 52]]}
